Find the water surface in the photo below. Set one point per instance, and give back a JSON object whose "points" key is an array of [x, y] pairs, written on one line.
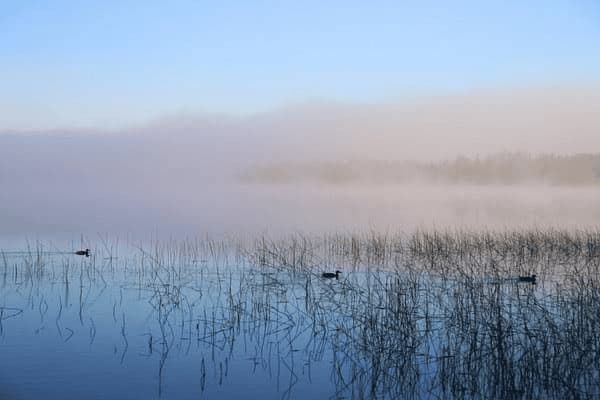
{"points": [[413, 316]]}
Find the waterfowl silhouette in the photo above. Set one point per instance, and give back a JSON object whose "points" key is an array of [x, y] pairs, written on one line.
{"points": [[329, 275], [85, 252], [527, 279]]}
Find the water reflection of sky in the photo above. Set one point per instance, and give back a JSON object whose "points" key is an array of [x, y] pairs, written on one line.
{"points": [[83, 338], [208, 322]]}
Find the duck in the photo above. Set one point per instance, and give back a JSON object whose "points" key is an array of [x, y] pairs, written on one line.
{"points": [[329, 275], [528, 279], [85, 252]]}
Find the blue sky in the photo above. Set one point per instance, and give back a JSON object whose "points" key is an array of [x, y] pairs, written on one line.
{"points": [[109, 63]]}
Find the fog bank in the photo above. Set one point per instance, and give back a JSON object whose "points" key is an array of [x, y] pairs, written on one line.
{"points": [[179, 175]]}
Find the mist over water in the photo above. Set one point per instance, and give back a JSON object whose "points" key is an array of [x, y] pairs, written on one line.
{"points": [[299, 200], [180, 176]]}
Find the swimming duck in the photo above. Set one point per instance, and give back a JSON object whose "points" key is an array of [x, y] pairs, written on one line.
{"points": [[85, 252], [528, 279], [330, 275]]}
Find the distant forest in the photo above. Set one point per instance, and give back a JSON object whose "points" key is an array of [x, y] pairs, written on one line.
{"points": [[504, 168]]}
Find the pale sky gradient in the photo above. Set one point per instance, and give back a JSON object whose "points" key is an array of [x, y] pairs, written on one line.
{"points": [[106, 64]]}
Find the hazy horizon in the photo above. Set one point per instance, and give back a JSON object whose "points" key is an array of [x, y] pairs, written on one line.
{"points": [[179, 175]]}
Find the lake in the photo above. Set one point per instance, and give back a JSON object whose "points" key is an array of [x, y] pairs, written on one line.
{"points": [[425, 314]]}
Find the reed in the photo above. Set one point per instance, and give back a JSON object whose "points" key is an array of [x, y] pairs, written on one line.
{"points": [[438, 314]]}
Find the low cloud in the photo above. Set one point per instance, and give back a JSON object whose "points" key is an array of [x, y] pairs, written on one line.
{"points": [[180, 174]]}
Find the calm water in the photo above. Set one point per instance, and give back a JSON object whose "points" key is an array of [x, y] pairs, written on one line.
{"points": [[82, 328], [209, 320]]}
